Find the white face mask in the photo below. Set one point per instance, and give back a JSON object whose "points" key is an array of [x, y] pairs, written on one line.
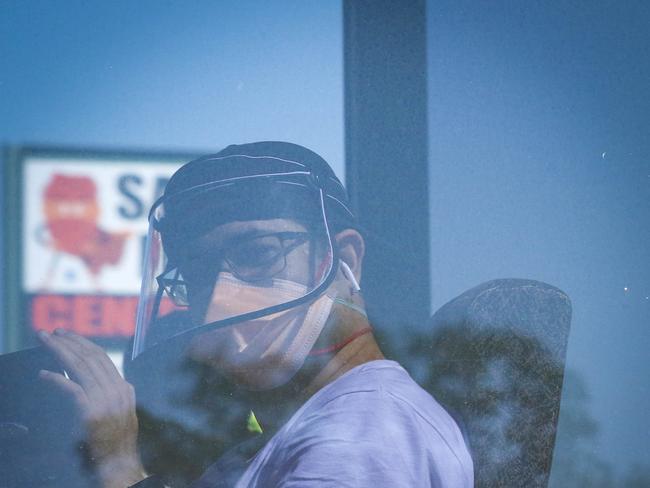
{"points": [[266, 352]]}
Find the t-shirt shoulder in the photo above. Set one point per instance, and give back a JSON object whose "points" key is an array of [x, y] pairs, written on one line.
{"points": [[375, 421], [382, 389]]}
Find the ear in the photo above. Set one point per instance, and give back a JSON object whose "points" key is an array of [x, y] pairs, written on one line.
{"points": [[352, 248]]}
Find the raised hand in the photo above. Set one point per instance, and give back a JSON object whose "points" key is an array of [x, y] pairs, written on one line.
{"points": [[106, 406]]}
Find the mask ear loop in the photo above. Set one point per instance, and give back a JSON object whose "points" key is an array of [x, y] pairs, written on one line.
{"points": [[350, 276], [347, 272]]}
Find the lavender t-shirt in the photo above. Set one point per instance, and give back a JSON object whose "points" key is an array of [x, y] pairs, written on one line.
{"points": [[372, 427]]}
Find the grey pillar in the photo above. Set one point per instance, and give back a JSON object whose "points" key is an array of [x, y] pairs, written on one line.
{"points": [[386, 154]]}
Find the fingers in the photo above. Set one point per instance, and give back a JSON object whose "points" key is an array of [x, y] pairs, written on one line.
{"points": [[88, 349], [89, 366], [66, 385], [84, 368], [106, 402]]}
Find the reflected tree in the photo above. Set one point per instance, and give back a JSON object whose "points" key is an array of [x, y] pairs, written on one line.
{"points": [[495, 359], [190, 416], [575, 462], [504, 390], [498, 375]]}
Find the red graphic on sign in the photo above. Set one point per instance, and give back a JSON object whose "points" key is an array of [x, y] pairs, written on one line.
{"points": [[89, 315], [71, 213]]}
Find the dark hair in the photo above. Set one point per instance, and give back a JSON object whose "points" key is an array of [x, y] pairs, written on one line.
{"points": [[288, 175]]}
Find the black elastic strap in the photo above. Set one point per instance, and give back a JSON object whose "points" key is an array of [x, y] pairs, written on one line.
{"points": [[151, 482]]}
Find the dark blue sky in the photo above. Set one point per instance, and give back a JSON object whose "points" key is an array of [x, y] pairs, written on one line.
{"points": [[539, 147]]}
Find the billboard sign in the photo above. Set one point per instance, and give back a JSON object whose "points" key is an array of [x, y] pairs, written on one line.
{"points": [[81, 223]]}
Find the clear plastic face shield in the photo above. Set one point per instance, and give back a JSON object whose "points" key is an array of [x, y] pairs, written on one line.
{"points": [[231, 271]]}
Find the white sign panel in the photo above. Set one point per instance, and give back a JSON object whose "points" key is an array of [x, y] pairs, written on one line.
{"points": [[84, 225]]}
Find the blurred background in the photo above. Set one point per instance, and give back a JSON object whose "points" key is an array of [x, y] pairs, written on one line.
{"points": [[538, 162]]}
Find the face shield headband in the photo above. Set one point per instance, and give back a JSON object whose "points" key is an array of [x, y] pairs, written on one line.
{"points": [[152, 297]]}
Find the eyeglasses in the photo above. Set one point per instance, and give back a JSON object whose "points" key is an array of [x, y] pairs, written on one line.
{"points": [[251, 259]]}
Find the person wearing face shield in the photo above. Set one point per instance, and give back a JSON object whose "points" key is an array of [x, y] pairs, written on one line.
{"points": [[257, 257]]}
